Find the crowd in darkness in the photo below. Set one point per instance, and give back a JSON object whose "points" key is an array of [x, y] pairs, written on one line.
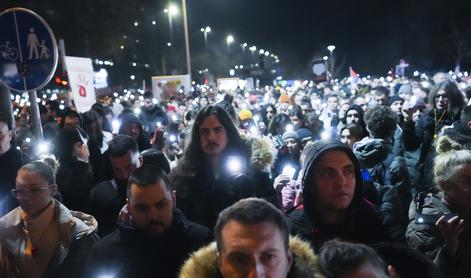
{"points": [[335, 179]]}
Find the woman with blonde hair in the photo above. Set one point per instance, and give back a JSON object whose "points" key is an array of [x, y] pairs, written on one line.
{"points": [[440, 223]]}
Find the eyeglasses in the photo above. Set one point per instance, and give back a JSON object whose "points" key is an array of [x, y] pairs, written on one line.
{"points": [[21, 193]]}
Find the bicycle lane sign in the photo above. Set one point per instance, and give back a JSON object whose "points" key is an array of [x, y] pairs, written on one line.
{"points": [[28, 50]]}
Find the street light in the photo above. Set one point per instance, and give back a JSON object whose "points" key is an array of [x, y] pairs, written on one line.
{"points": [[331, 49], [171, 11], [229, 41], [205, 31]]}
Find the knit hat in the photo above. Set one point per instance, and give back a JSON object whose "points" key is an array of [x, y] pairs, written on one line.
{"points": [[245, 114], [395, 98], [283, 99], [290, 134], [304, 133], [405, 89]]}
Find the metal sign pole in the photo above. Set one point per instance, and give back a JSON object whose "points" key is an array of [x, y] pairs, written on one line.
{"points": [[35, 117], [29, 57]]}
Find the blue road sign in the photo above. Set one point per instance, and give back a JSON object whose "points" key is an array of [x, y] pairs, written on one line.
{"points": [[28, 50]]}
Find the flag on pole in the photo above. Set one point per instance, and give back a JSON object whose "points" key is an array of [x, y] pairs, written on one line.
{"points": [[354, 78]]}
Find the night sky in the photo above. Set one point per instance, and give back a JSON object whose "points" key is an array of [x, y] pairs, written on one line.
{"points": [[371, 36]]}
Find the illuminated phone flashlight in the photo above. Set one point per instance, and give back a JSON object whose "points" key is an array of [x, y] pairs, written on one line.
{"points": [[289, 127], [158, 124], [325, 135], [420, 220], [115, 124], [43, 148], [137, 110], [236, 164], [289, 171], [172, 138], [254, 130], [28, 140]]}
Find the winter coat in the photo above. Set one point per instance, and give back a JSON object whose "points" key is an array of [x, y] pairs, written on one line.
{"points": [[143, 141], [150, 117], [106, 200], [77, 232], [421, 135], [428, 240], [201, 196], [75, 180], [10, 162], [129, 252], [362, 223], [461, 133], [391, 181], [204, 262]]}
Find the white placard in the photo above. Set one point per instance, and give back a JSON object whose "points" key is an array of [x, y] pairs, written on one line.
{"points": [[80, 72], [163, 87]]}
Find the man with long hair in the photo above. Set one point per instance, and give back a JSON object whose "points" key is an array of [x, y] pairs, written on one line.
{"points": [[214, 171]]}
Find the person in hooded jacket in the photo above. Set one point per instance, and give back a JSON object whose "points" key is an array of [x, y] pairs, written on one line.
{"points": [[354, 115], [392, 195], [252, 240], [132, 126], [42, 237], [333, 203], [152, 114]]}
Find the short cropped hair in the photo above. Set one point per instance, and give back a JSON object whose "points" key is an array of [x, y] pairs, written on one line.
{"points": [[5, 120], [121, 144], [337, 258], [147, 175], [251, 211]]}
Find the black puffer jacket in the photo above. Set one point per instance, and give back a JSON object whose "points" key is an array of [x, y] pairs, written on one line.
{"points": [[421, 134], [201, 196], [362, 223], [129, 252]]}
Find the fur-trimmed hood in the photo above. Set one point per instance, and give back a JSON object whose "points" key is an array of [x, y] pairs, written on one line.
{"points": [[262, 151], [204, 262]]}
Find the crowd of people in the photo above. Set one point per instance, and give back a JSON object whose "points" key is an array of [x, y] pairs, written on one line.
{"points": [[349, 178]]}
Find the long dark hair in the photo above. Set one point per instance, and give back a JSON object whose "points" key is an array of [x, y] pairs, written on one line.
{"points": [[194, 157], [455, 98], [64, 143], [280, 120]]}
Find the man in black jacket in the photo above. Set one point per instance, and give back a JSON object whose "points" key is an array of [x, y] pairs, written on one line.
{"points": [[108, 197], [216, 169], [154, 238], [10, 162], [333, 201]]}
